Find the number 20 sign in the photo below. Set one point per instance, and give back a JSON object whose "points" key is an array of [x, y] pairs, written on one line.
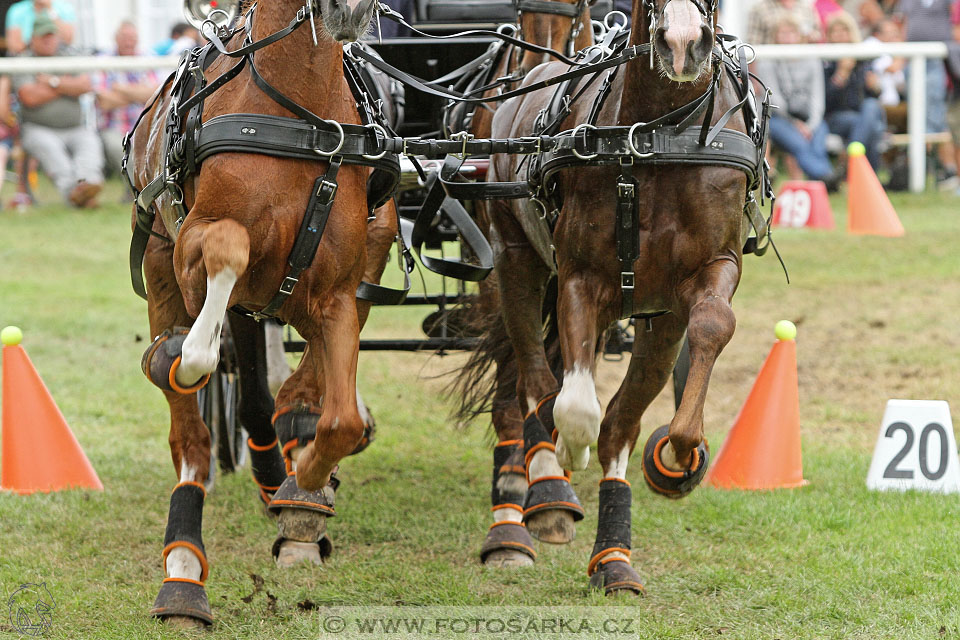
{"points": [[916, 448]]}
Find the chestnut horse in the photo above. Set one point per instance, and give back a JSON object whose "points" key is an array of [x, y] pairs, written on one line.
{"points": [[231, 251], [689, 233], [508, 542]]}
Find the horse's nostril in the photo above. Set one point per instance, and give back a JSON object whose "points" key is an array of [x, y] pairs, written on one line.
{"points": [[660, 40]]}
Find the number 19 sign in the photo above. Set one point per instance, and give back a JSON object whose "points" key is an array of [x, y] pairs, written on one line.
{"points": [[916, 448]]}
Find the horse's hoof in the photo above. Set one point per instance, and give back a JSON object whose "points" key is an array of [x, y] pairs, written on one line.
{"points": [[616, 576], [554, 526], [183, 623], [292, 553], [162, 359], [507, 559], [183, 603], [508, 544], [665, 481], [570, 459]]}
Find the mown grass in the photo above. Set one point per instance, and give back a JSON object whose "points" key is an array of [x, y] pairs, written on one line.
{"points": [[831, 560]]}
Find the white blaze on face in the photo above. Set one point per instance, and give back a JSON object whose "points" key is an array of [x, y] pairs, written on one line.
{"points": [[684, 26]]}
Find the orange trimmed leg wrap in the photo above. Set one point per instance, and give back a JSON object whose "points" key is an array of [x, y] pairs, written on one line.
{"points": [[613, 536]]}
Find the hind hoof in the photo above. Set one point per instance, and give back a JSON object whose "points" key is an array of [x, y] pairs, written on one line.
{"points": [[666, 481], [553, 526], [183, 623], [293, 553], [507, 559], [616, 576]]}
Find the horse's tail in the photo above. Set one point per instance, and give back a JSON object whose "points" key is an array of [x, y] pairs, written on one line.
{"points": [[487, 383]]}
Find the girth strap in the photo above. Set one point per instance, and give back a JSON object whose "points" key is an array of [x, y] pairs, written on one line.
{"points": [[628, 238], [311, 232]]}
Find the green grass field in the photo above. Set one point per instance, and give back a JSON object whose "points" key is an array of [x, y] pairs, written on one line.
{"points": [[831, 560]]}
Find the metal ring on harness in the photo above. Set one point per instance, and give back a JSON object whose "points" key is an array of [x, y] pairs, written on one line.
{"points": [[343, 138], [753, 52], [633, 148], [376, 129], [599, 30], [610, 25], [542, 205], [574, 134], [508, 29]]}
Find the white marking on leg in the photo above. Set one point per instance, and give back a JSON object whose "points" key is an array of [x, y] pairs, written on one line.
{"points": [[187, 473], [544, 463], [201, 349], [577, 415], [364, 412], [510, 515], [294, 454], [618, 467]]}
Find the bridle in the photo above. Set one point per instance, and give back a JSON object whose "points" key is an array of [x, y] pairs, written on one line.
{"points": [[555, 8]]}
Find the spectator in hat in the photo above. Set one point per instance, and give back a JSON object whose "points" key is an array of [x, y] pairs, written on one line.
{"points": [[22, 15], [51, 121], [121, 96]]}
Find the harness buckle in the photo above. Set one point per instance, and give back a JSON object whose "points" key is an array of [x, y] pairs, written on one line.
{"points": [[535, 139], [302, 13], [626, 190], [627, 281], [327, 191], [286, 287], [465, 137]]}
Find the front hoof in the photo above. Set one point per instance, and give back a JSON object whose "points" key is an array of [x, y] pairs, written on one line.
{"points": [[162, 359], [571, 459], [666, 481], [292, 553], [616, 576], [553, 526], [183, 623], [183, 603], [507, 559]]}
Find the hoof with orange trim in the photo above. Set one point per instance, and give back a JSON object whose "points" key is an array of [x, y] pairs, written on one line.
{"points": [[666, 481], [162, 359]]}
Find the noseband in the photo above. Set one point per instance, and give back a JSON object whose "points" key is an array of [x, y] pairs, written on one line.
{"points": [[556, 8]]}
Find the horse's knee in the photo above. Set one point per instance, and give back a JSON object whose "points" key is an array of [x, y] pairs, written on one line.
{"points": [[711, 325], [226, 245]]}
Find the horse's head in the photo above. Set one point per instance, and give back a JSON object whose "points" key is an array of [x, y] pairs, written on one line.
{"points": [[682, 32], [346, 20], [555, 24]]}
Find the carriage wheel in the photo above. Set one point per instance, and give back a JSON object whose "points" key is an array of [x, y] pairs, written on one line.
{"points": [[219, 401]]}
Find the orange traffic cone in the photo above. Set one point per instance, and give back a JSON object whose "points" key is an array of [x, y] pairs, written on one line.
{"points": [[40, 452], [762, 450], [869, 210]]}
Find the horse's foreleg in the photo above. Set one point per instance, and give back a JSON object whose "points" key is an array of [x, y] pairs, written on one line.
{"points": [[710, 326], [550, 505], [224, 246], [577, 410], [654, 353]]}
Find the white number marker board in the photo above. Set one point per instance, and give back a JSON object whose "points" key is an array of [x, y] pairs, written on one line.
{"points": [[916, 448]]}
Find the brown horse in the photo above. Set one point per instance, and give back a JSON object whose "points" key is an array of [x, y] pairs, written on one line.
{"points": [[690, 233], [231, 250], [508, 542]]}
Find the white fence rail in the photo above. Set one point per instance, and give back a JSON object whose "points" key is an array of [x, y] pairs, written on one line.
{"points": [[917, 52]]}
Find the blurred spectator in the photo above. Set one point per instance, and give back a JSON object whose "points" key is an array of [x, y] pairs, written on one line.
{"points": [[765, 16], [21, 16], [121, 96], [797, 126], [825, 8], [7, 127], [852, 109], [890, 73], [183, 37], [953, 67], [51, 122], [868, 13], [929, 20]]}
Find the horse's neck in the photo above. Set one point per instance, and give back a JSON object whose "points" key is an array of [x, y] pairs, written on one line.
{"points": [[530, 59], [647, 93], [308, 74]]}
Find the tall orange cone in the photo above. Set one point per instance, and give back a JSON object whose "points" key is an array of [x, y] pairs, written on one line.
{"points": [[762, 450], [40, 452], [869, 211]]}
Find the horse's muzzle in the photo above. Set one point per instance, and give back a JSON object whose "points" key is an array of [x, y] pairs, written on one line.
{"points": [[347, 20]]}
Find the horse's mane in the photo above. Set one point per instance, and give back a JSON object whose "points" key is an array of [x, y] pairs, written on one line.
{"points": [[245, 5]]}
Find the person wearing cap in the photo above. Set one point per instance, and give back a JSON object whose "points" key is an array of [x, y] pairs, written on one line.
{"points": [[51, 121], [21, 16]]}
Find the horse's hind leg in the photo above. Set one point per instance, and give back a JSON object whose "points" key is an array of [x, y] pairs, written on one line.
{"points": [[182, 600], [654, 353], [675, 461]]}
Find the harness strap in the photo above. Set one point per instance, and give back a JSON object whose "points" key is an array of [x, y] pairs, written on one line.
{"points": [[628, 239], [551, 7], [308, 239]]}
